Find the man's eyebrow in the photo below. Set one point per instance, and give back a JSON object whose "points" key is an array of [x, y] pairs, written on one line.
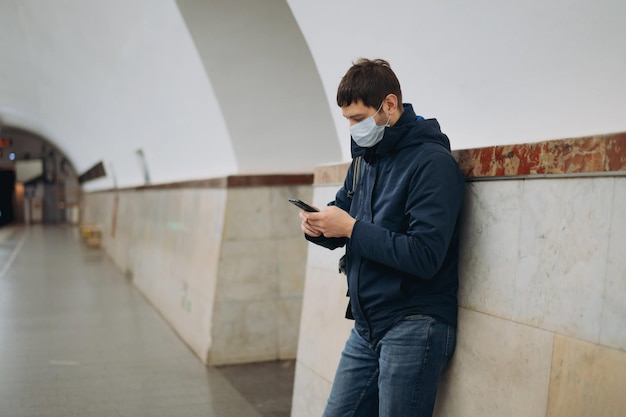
{"points": [[354, 116]]}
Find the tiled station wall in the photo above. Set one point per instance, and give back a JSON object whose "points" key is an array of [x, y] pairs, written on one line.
{"points": [[542, 286], [222, 260]]}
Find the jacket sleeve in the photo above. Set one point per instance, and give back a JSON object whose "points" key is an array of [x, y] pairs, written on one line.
{"points": [[343, 202], [433, 205]]}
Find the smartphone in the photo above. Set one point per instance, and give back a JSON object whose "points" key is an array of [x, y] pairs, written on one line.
{"points": [[304, 206]]}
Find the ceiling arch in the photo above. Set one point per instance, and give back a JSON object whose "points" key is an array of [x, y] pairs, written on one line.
{"points": [[203, 88], [266, 83]]}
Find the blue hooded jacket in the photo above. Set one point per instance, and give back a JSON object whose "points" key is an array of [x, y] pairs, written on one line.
{"points": [[402, 256]]}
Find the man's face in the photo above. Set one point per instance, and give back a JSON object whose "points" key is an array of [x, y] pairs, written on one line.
{"points": [[357, 111]]}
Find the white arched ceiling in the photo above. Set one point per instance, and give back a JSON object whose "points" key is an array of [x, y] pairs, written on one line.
{"points": [[103, 79], [492, 72], [266, 82], [249, 86]]}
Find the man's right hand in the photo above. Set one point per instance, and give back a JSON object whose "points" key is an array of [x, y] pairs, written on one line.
{"points": [[307, 227]]}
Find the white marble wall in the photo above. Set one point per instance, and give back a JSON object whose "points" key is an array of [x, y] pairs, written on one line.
{"points": [[224, 266], [168, 242], [323, 330], [538, 252], [541, 323], [261, 276]]}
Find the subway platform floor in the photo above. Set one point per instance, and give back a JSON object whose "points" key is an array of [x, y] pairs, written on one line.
{"points": [[78, 339]]}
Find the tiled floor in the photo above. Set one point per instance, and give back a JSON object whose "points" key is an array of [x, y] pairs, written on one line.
{"points": [[77, 339]]}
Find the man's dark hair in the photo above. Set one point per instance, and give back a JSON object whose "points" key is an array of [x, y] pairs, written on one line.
{"points": [[370, 81]]}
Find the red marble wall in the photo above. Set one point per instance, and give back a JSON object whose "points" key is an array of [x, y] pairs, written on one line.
{"points": [[592, 154], [602, 153]]}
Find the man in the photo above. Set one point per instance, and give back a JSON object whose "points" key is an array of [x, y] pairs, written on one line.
{"points": [[400, 228]]}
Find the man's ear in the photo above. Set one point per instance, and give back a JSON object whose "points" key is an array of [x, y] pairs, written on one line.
{"points": [[391, 103]]}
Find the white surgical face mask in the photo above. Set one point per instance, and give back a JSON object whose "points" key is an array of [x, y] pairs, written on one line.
{"points": [[367, 133]]}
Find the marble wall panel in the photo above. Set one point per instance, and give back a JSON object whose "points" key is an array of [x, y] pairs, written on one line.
{"points": [[249, 214], [613, 328], [310, 392], [126, 227], [190, 313], [265, 265], [93, 209], [320, 257], [174, 218], [155, 237], [184, 310], [499, 368], [204, 236], [284, 215], [489, 252], [616, 153], [177, 234], [323, 195], [169, 241], [563, 254], [511, 160], [145, 266], [569, 156], [586, 380], [476, 162], [244, 331], [258, 212], [117, 238], [289, 311], [290, 254], [248, 270], [331, 173], [589, 154], [324, 329]]}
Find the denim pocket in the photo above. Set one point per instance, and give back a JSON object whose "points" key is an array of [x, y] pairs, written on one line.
{"points": [[450, 341]]}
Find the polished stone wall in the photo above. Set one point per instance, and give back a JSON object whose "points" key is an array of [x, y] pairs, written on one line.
{"points": [[542, 283], [222, 260]]}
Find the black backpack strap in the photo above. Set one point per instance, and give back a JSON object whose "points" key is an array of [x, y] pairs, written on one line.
{"points": [[356, 171]]}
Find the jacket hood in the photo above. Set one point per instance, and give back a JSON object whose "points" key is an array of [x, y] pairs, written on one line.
{"points": [[409, 130]]}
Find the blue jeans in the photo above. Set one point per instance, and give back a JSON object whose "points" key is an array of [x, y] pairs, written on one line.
{"points": [[398, 377]]}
